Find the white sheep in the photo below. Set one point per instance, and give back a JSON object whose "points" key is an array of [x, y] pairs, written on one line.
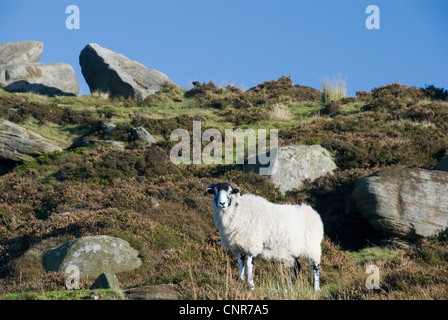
{"points": [[251, 226]]}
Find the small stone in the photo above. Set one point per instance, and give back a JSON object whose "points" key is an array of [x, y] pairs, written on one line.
{"points": [[95, 295], [109, 128], [106, 280], [140, 134]]}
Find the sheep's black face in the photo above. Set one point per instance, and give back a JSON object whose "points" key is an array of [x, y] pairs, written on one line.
{"points": [[223, 194]]}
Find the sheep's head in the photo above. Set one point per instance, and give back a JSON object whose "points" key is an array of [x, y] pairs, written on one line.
{"points": [[223, 193]]}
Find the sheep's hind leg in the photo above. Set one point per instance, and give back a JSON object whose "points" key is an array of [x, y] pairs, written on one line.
{"points": [[295, 269], [241, 269], [249, 267]]}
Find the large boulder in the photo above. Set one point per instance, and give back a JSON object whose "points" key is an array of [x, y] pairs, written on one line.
{"points": [[407, 203], [93, 255], [42, 78], [20, 52], [293, 165], [107, 71], [20, 144]]}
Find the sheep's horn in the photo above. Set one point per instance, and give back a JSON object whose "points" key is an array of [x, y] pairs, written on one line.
{"points": [[209, 190]]}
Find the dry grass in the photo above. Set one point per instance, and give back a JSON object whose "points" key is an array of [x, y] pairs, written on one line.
{"points": [[333, 90], [100, 95], [280, 112]]}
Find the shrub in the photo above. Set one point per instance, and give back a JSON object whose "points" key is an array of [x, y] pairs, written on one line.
{"points": [[106, 165], [281, 91], [394, 98], [433, 93], [165, 126], [397, 91], [168, 93], [364, 95], [332, 108], [241, 117]]}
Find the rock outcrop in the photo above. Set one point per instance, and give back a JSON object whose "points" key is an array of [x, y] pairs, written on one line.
{"points": [[107, 71], [20, 52], [41, 78], [93, 255], [19, 144], [294, 164], [407, 203], [21, 72]]}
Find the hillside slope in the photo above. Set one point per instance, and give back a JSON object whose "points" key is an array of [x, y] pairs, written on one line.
{"points": [[139, 195]]}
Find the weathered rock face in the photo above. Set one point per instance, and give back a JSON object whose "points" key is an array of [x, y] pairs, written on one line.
{"points": [[442, 165], [295, 164], [20, 52], [20, 144], [107, 71], [408, 203], [49, 79], [93, 256]]}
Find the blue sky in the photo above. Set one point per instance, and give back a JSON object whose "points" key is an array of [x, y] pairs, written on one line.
{"points": [[246, 42]]}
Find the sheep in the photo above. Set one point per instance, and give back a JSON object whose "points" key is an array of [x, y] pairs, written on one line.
{"points": [[251, 226]]}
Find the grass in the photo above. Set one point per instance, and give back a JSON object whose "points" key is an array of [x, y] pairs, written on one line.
{"points": [[280, 112], [106, 294], [333, 90], [372, 254]]}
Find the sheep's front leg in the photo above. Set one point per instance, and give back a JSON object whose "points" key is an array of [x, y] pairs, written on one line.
{"points": [[316, 276], [250, 268], [241, 258]]}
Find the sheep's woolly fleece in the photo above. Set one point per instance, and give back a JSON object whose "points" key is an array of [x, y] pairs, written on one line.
{"points": [[258, 227]]}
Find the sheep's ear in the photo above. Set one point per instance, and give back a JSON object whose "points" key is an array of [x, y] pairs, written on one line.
{"points": [[210, 190], [236, 190]]}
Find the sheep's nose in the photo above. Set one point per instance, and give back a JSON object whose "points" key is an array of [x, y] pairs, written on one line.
{"points": [[222, 204]]}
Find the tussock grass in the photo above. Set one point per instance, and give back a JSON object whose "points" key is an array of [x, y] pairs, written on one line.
{"points": [[280, 112], [100, 95], [334, 89]]}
